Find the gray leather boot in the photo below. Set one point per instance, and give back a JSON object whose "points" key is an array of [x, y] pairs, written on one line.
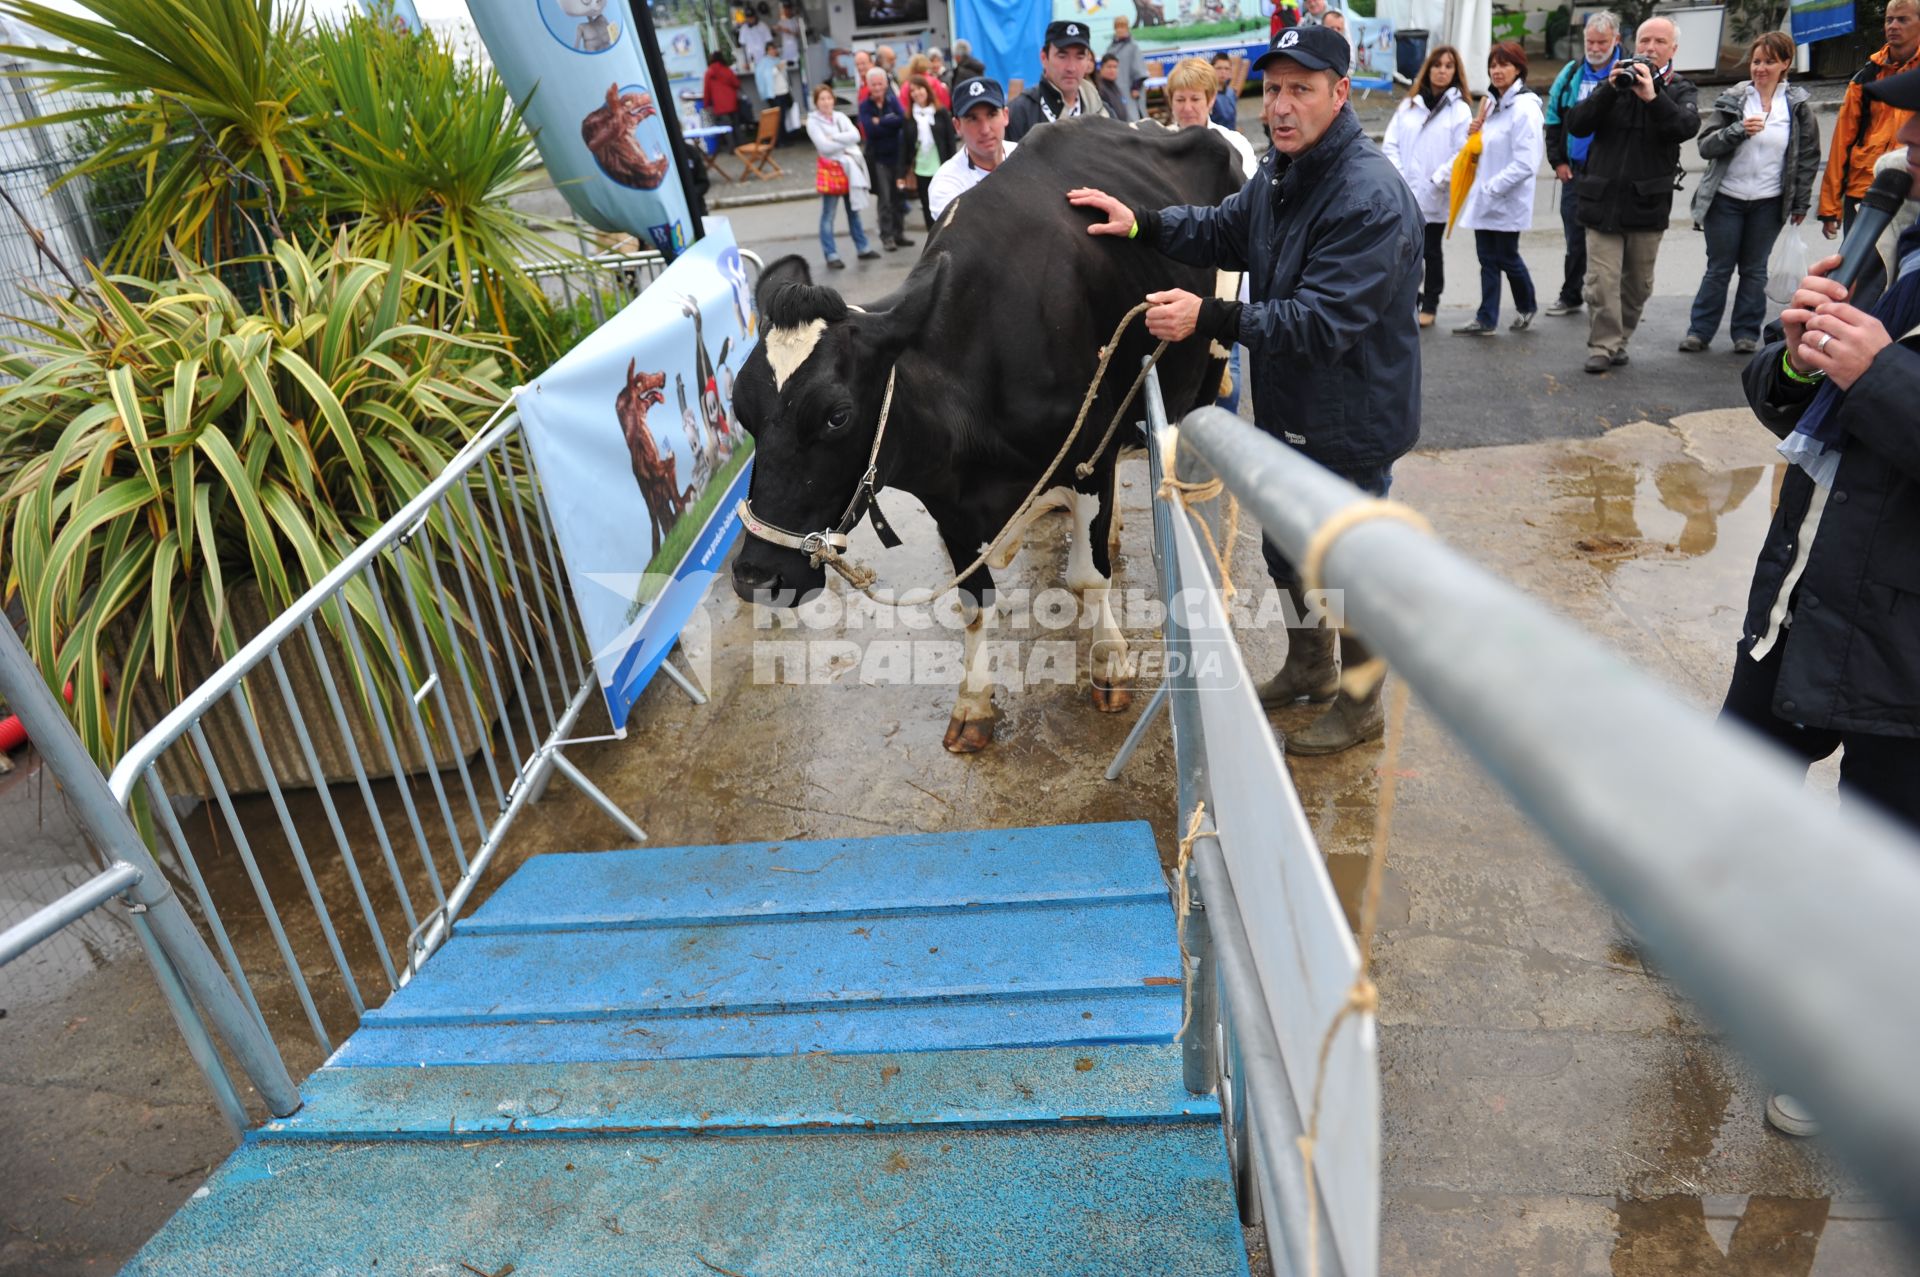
{"points": [[1311, 672], [1350, 720]]}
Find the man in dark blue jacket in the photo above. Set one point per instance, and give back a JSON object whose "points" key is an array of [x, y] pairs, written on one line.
{"points": [[1330, 238]]}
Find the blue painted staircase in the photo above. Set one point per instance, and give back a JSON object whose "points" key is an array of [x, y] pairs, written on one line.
{"points": [[930, 1054]]}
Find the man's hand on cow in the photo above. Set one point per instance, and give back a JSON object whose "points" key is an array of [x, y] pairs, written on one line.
{"points": [[1172, 314], [1119, 216]]}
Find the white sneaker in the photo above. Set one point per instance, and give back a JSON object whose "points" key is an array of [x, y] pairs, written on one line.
{"points": [[1790, 1117]]}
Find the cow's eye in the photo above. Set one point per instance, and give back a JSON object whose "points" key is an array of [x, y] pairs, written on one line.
{"points": [[839, 417]]}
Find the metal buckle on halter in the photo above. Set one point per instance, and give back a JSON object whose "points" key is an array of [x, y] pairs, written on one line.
{"points": [[813, 543]]}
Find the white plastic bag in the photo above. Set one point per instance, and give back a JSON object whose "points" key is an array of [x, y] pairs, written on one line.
{"points": [[1788, 264]]}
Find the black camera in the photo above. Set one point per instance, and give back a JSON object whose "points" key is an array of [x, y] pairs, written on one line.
{"points": [[1623, 77]]}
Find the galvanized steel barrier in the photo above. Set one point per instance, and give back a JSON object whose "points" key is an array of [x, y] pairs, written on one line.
{"points": [[1790, 923]]}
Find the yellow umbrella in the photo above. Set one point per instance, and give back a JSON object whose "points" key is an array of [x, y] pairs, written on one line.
{"points": [[1465, 165]]}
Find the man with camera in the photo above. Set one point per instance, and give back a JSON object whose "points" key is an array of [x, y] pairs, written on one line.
{"points": [[1637, 121]]}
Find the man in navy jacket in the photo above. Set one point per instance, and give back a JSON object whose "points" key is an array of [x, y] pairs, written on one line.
{"points": [[1330, 238]]}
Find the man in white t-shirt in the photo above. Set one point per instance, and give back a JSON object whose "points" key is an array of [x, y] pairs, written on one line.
{"points": [[980, 118], [755, 36]]}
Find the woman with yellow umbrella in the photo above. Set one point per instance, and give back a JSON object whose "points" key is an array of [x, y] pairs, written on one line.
{"points": [[1509, 135]]}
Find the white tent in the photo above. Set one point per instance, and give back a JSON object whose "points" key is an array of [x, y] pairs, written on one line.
{"points": [[1467, 25]]}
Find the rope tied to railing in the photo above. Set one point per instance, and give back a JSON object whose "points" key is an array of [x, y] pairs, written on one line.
{"points": [[1359, 681], [1183, 903], [1188, 495]]}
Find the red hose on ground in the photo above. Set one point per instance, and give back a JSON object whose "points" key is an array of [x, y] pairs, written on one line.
{"points": [[13, 734]]}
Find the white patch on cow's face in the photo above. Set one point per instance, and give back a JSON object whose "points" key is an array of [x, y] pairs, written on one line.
{"points": [[788, 348]]}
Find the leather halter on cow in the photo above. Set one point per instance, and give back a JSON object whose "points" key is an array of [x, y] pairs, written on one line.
{"points": [[985, 354]]}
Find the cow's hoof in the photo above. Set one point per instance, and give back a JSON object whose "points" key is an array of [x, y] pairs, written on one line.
{"points": [[968, 736], [1111, 700]]}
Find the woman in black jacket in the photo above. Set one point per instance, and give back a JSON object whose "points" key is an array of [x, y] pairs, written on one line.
{"points": [[926, 141]]}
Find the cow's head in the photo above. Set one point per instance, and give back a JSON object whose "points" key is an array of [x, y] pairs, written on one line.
{"points": [[810, 395]]}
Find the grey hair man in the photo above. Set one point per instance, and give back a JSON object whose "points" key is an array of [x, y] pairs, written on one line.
{"points": [[1638, 120], [1568, 155]]}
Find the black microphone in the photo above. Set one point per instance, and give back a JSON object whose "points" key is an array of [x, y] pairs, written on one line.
{"points": [[1877, 208]]}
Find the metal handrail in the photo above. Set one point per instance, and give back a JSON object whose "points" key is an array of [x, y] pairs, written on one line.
{"points": [[1702, 836], [82, 900]]}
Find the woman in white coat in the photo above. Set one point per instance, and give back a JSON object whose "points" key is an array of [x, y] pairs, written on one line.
{"points": [[1499, 205], [838, 141], [1426, 132]]}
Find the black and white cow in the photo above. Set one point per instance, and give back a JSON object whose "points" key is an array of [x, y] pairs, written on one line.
{"points": [[993, 338]]}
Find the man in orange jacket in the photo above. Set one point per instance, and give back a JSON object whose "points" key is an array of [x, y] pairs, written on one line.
{"points": [[1865, 130]]}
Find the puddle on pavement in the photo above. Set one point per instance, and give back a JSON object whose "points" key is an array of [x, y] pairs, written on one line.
{"points": [[1616, 512], [1349, 874], [1752, 1236]]}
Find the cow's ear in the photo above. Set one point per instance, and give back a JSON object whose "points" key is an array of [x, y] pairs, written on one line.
{"points": [[788, 270], [899, 326]]}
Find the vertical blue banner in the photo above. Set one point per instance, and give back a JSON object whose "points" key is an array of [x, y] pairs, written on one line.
{"points": [[1820, 19], [643, 461], [580, 70]]}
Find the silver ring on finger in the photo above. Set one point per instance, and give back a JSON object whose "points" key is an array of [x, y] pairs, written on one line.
{"points": [[1826, 339]]}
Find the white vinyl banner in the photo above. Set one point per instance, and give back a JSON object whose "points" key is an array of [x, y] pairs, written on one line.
{"points": [[595, 112], [643, 462]]}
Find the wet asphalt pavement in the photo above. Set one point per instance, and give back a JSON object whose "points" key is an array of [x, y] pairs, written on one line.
{"points": [[1550, 1105]]}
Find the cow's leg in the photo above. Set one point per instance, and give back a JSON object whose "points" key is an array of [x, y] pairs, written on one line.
{"points": [[1052, 499], [970, 729], [1090, 575]]}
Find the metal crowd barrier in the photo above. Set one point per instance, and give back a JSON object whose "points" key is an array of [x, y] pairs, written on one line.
{"points": [[1790, 923], [1268, 954]]}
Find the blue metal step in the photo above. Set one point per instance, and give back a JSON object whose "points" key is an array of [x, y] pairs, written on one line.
{"points": [[1089, 1200], [813, 1092], [927, 1054]]}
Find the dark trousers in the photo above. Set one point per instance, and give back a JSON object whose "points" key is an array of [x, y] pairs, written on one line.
{"points": [[1573, 279], [888, 197], [1879, 768], [1849, 209], [1740, 233], [1375, 483], [926, 206], [1436, 268], [1499, 253]]}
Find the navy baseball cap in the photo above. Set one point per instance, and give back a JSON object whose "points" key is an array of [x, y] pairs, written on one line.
{"points": [[1066, 34], [1901, 91], [974, 90], [1315, 48]]}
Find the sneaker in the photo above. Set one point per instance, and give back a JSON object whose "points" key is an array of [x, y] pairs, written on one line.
{"points": [[1790, 1117], [1691, 345], [1522, 321], [1598, 363], [1619, 358], [868, 255], [834, 263], [1745, 345], [902, 242], [1474, 328], [1562, 307], [889, 244]]}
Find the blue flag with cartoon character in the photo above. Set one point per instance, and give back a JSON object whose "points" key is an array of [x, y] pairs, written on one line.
{"points": [[580, 72]]}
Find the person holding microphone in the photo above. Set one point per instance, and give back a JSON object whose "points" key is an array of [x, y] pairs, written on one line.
{"points": [[1830, 652]]}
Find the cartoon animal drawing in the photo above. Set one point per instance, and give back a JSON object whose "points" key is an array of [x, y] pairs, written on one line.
{"points": [[596, 34], [701, 453], [718, 430], [608, 133], [653, 471], [736, 433]]}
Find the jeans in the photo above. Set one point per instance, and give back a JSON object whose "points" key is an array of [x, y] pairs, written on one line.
{"points": [[1739, 233], [1231, 400], [828, 248], [1574, 276], [1878, 768], [1436, 268], [1499, 253]]}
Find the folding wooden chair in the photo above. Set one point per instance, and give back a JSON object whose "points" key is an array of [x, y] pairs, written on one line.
{"points": [[756, 157]]}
